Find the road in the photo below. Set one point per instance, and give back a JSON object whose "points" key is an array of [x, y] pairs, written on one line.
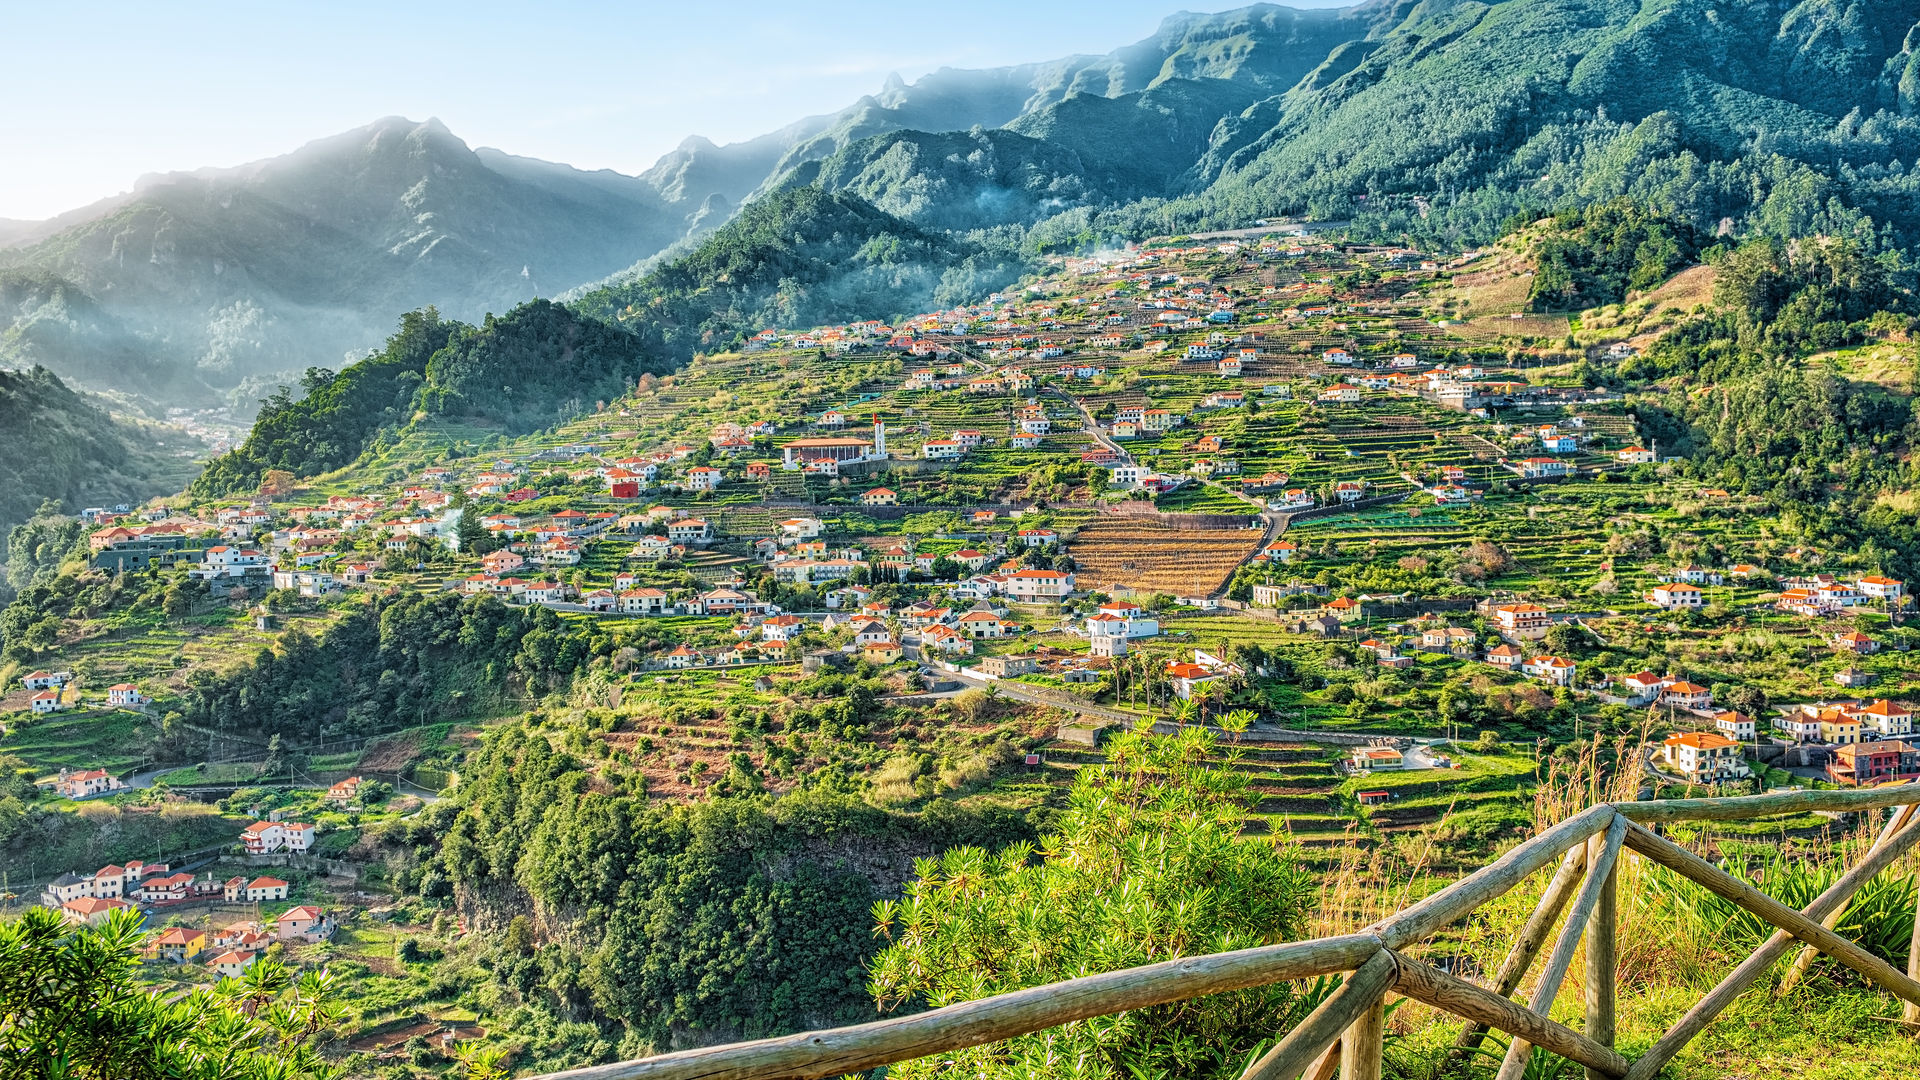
{"points": [[1093, 428]]}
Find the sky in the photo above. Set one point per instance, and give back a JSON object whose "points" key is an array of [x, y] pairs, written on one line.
{"points": [[97, 94]]}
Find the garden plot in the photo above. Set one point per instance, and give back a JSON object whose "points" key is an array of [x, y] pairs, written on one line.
{"points": [[1150, 557]]}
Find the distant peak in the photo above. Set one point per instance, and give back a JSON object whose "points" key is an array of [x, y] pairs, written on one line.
{"points": [[894, 82]]}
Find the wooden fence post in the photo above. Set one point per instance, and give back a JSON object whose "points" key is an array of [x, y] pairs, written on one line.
{"points": [[1599, 869], [1603, 955], [1909, 1011], [1360, 1046], [1532, 936], [1309, 1039]]}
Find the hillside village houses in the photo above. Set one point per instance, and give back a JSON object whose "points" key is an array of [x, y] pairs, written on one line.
{"points": [[731, 544]]}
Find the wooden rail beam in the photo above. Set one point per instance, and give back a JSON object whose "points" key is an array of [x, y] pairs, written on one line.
{"points": [[1718, 881], [1423, 982], [813, 1054], [1311, 1037], [1492, 880], [1533, 936], [1328, 1064], [1741, 807], [1763, 958], [1599, 869]]}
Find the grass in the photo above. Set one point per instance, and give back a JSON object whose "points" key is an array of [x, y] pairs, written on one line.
{"points": [[116, 741]]}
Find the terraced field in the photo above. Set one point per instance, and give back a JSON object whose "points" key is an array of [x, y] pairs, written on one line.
{"points": [[1150, 557]]}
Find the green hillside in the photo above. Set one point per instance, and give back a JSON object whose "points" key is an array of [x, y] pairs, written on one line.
{"points": [[798, 257], [63, 447], [795, 258]]}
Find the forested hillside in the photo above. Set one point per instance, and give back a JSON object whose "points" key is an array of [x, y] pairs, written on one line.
{"points": [[58, 446], [536, 365], [795, 258], [798, 257], [1438, 123]]}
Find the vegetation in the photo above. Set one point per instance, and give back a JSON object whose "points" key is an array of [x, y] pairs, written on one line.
{"points": [[1595, 255], [75, 1010], [335, 416], [63, 447], [1146, 864], [797, 257]]}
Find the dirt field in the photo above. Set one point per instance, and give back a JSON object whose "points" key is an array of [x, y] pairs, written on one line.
{"points": [[1151, 557]]}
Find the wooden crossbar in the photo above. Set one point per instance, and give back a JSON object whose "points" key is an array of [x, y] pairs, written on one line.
{"points": [[1763, 958], [1718, 881], [1311, 1037], [1599, 870], [1374, 957]]}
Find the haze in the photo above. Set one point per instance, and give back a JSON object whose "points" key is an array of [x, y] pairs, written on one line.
{"points": [[100, 94]]}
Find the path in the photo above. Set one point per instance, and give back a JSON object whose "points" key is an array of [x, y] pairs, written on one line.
{"points": [[1092, 426]]}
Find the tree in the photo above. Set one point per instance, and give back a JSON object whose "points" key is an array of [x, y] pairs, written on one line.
{"points": [[1148, 864], [276, 482], [75, 1012], [1237, 722], [1565, 638]]}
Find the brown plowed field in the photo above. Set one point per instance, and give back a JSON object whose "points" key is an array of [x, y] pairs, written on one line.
{"points": [[1152, 557]]}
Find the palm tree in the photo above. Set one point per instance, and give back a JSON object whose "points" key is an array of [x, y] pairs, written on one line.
{"points": [[1237, 722]]}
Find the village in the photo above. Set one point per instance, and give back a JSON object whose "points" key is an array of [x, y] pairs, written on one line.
{"points": [[1127, 474]]}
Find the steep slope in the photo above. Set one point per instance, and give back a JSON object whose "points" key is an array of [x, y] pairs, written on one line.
{"points": [[1436, 121], [62, 447], [47, 321], [1479, 110], [797, 257], [300, 260]]}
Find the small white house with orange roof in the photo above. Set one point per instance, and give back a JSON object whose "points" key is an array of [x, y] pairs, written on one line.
{"points": [[1704, 756], [232, 964]]}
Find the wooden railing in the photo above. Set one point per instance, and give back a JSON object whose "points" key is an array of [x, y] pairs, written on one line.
{"points": [[1344, 1033]]}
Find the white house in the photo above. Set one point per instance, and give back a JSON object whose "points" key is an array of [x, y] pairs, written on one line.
{"points": [[126, 695], [1675, 596], [1882, 588], [1557, 670], [1032, 585]]}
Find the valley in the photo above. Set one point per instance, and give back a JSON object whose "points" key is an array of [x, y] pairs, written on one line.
{"points": [[919, 575], [471, 617]]}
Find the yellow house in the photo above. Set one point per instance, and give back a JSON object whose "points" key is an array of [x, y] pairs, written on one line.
{"points": [[1839, 731], [882, 652], [179, 945]]}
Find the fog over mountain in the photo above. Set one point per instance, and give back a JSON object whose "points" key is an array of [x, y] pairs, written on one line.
{"points": [[1432, 121]]}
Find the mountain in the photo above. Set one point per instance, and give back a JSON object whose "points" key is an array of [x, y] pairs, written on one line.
{"points": [[1435, 121], [796, 257], [64, 447], [299, 260]]}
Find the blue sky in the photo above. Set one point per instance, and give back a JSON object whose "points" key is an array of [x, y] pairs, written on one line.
{"points": [[97, 94]]}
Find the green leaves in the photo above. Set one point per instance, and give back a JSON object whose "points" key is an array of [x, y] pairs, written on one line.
{"points": [[70, 1009], [1147, 865]]}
